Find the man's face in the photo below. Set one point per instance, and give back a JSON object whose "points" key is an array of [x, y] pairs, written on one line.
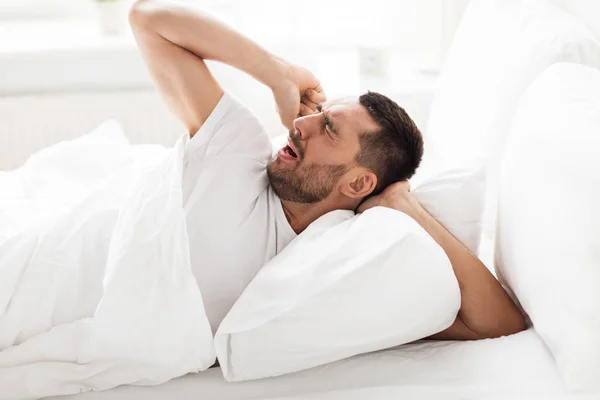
{"points": [[321, 150]]}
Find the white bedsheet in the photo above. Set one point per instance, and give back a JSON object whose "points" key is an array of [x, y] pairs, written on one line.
{"points": [[514, 367]]}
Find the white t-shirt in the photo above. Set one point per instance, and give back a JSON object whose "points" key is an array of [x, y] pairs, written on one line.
{"points": [[235, 222]]}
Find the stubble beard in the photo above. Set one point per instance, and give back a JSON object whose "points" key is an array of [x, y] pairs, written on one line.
{"points": [[304, 183]]}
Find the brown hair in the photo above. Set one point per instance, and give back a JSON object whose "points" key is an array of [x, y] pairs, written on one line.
{"points": [[394, 152]]}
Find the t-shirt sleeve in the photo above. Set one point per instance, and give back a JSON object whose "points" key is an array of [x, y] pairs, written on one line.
{"points": [[230, 130], [225, 162]]}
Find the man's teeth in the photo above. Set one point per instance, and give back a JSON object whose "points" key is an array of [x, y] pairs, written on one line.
{"points": [[290, 151]]}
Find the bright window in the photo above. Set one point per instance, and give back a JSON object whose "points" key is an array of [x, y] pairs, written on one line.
{"points": [[27, 9], [414, 27]]}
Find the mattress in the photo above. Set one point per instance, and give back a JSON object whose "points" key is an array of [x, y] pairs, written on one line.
{"points": [[512, 367]]}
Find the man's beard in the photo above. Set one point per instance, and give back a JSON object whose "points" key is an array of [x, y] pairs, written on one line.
{"points": [[304, 183]]}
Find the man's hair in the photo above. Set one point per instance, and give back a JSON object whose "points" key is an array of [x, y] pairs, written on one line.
{"points": [[394, 152]]}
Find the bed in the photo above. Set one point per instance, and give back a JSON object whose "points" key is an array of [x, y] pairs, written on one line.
{"points": [[517, 366], [514, 367]]}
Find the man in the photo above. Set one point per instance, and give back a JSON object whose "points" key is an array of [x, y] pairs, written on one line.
{"points": [[244, 205]]}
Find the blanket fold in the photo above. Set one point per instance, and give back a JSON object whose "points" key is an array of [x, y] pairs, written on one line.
{"points": [[96, 288]]}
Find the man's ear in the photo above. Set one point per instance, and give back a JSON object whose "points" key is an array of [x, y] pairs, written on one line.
{"points": [[360, 183]]}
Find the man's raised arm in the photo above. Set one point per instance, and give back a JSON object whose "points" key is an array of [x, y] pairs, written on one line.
{"points": [[174, 39], [486, 310]]}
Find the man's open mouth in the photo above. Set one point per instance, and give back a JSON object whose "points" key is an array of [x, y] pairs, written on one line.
{"points": [[287, 153], [290, 151]]}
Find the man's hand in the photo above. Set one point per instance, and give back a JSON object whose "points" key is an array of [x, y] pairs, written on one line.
{"points": [[297, 95], [176, 38], [396, 196]]}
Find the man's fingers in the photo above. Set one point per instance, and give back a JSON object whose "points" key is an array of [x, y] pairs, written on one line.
{"points": [[285, 120], [305, 110], [365, 205], [316, 96], [362, 208], [310, 104]]}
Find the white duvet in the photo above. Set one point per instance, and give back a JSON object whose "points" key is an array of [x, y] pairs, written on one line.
{"points": [[96, 288]]}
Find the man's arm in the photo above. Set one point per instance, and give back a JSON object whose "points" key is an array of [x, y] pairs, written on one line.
{"points": [[486, 309], [174, 39]]}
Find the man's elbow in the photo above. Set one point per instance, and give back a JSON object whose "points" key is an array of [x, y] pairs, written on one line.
{"points": [[517, 325], [142, 11], [508, 327]]}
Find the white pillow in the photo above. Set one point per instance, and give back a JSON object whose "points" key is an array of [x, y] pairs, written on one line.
{"points": [[347, 285], [500, 47], [455, 199], [548, 237]]}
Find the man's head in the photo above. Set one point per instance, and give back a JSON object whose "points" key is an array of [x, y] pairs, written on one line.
{"points": [[349, 150]]}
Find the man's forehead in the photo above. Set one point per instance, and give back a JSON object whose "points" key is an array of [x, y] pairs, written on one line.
{"points": [[349, 100], [349, 112]]}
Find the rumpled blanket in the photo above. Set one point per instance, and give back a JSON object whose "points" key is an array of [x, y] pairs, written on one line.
{"points": [[96, 288]]}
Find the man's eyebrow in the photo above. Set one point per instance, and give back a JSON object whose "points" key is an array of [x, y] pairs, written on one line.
{"points": [[331, 124], [327, 119]]}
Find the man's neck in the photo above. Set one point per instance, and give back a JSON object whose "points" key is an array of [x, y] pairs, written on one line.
{"points": [[301, 215]]}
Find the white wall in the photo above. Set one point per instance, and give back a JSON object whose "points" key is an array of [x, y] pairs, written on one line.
{"points": [[60, 78]]}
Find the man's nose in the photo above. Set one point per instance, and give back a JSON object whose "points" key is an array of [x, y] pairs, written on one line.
{"points": [[306, 126]]}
